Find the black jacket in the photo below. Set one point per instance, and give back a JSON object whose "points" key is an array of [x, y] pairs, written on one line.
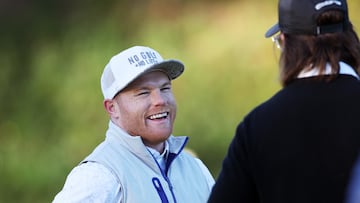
{"points": [[297, 147]]}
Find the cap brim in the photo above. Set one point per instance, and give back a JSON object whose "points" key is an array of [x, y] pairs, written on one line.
{"points": [[273, 30], [172, 68]]}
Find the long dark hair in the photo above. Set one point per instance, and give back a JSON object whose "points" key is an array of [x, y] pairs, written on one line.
{"points": [[305, 52]]}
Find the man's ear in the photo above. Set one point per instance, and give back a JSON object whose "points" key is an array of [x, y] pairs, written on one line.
{"points": [[110, 107]]}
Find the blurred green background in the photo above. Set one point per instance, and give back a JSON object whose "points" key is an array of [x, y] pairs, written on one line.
{"points": [[52, 55]]}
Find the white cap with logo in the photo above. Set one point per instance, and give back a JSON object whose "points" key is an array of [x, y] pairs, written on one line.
{"points": [[129, 64]]}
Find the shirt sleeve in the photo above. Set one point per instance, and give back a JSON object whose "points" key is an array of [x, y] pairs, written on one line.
{"points": [[89, 182]]}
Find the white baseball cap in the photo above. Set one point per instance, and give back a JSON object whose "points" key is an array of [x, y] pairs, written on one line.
{"points": [[129, 64]]}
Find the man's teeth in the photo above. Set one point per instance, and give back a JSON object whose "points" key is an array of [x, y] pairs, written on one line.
{"points": [[157, 116]]}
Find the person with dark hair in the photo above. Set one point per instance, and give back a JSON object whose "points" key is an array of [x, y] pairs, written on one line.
{"points": [[300, 145]]}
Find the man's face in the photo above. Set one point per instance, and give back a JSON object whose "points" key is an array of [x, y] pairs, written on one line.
{"points": [[147, 108]]}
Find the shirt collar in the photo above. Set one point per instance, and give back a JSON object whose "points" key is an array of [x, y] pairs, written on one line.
{"points": [[160, 158], [156, 154], [344, 69]]}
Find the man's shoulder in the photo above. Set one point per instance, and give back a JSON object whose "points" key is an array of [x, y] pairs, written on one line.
{"points": [[92, 172]]}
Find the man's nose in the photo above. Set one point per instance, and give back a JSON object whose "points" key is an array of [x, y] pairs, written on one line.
{"points": [[157, 98]]}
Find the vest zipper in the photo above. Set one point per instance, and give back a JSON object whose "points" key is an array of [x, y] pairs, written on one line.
{"points": [[171, 188]]}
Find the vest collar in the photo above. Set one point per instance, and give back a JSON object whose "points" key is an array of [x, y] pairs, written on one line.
{"points": [[117, 136]]}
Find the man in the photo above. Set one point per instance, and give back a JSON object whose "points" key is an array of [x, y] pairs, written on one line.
{"points": [[301, 144], [139, 161]]}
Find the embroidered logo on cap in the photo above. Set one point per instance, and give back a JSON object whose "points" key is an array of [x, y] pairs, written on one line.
{"points": [[142, 59]]}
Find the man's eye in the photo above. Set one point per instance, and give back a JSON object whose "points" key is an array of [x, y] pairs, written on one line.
{"points": [[165, 88], [142, 93]]}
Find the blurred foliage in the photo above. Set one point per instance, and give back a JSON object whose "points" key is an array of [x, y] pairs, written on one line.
{"points": [[52, 54]]}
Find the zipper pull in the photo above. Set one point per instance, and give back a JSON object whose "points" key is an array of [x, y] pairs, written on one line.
{"points": [[160, 190]]}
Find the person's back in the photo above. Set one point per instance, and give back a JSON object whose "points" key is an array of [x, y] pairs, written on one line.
{"points": [[300, 145], [303, 142]]}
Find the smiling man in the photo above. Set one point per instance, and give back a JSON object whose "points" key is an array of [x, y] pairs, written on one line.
{"points": [[140, 160]]}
